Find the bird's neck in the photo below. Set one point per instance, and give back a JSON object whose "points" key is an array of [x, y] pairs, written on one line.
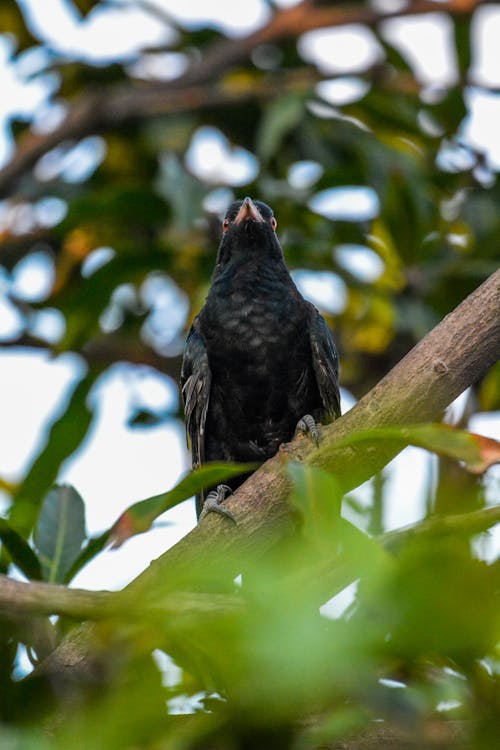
{"points": [[250, 268], [248, 281]]}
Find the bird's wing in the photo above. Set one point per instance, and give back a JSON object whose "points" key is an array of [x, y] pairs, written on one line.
{"points": [[325, 363], [195, 388]]}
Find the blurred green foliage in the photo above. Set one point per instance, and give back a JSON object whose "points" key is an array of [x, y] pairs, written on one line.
{"points": [[418, 641]]}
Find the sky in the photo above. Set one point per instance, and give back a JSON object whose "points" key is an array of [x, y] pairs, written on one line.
{"points": [[117, 465]]}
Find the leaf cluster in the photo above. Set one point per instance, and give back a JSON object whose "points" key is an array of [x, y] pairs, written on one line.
{"points": [[332, 630]]}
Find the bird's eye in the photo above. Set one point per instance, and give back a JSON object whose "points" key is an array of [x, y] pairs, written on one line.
{"points": [[274, 223], [225, 225]]}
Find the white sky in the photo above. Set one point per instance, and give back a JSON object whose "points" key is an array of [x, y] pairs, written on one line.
{"points": [[117, 466]]}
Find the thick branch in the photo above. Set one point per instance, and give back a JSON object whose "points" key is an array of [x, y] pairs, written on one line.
{"points": [[453, 356], [115, 106]]}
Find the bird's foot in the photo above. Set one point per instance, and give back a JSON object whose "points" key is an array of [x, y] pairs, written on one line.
{"points": [[213, 503], [308, 425], [257, 450]]}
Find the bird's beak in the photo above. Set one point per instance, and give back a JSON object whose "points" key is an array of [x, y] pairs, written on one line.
{"points": [[248, 211]]}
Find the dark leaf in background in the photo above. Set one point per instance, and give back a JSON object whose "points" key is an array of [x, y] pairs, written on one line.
{"points": [[182, 190], [451, 110], [64, 437], [145, 418], [394, 57], [86, 6], [92, 547], [463, 46], [279, 118], [12, 22], [60, 532], [20, 552]]}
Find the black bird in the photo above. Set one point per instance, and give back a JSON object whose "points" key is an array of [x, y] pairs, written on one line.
{"points": [[259, 360]]}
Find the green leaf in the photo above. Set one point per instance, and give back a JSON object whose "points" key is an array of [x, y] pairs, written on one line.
{"points": [[60, 531], [183, 191], [65, 436], [438, 600], [280, 117], [393, 56], [317, 496], [21, 553], [489, 392], [462, 32], [94, 545], [477, 452], [139, 516], [451, 110]]}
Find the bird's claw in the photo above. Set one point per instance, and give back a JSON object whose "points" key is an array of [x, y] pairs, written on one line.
{"points": [[213, 503], [308, 425]]}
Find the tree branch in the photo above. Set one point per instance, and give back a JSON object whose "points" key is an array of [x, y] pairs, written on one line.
{"points": [[453, 356], [110, 108], [457, 525], [20, 599]]}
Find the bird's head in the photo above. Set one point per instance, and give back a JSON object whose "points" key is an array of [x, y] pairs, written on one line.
{"points": [[248, 227]]}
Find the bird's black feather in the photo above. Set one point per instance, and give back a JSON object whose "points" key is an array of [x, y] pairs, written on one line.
{"points": [[195, 381], [258, 356]]}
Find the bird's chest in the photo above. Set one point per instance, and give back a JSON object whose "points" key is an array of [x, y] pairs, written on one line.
{"points": [[254, 326], [258, 349]]}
